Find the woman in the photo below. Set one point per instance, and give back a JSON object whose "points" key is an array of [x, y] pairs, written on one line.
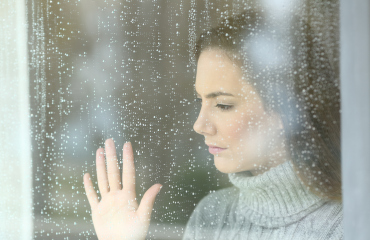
{"points": [[270, 117]]}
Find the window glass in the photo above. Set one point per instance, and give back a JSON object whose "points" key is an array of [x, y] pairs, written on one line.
{"points": [[126, 70]]}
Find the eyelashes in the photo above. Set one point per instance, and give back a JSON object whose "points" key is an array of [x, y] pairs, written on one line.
{"points": [[222, 107]]}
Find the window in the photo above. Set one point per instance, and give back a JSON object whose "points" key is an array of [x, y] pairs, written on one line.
{"points": [[123, 70]]}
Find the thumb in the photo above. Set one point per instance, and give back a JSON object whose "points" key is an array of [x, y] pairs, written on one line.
{"points": [[147, 202]]}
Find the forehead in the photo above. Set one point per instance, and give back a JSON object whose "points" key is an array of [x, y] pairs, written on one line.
{"points": [[216, 72]]}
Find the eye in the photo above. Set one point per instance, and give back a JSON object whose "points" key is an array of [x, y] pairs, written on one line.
{"points": [[224, 107], [198, 100]]}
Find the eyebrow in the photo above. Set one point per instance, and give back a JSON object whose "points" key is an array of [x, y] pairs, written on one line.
{"points": [[216, 94]]}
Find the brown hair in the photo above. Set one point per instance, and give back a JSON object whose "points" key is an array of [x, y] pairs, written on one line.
{"points": [[294, 78]]}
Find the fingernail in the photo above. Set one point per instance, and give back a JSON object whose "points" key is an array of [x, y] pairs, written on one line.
{"points": [[127, 144]]}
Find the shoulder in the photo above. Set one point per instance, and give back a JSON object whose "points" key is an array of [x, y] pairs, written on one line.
{"points": [[326, 222], [209, 213], [332, 213]]}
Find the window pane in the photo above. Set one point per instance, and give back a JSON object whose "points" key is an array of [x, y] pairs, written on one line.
{"points": [[126, 70]]}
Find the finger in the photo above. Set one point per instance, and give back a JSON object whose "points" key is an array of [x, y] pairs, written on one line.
{"points": [[112, 164], [92, 197], [101, 172], [128, 170], [147, 202]]}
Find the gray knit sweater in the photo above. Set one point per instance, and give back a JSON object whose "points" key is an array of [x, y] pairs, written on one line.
{"points": [[272, 205]]}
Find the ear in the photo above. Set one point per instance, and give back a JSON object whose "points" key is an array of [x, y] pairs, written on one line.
{"points": [[281, 126], [278, 122]]}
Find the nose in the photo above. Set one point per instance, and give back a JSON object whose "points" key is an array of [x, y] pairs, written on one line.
{"points": [[204, 124]]}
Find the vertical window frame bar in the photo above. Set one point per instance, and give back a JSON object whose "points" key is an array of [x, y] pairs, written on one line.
{"points": [[355, 116]]}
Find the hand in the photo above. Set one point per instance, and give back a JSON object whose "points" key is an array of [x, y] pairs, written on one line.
{"points": [[118, 215]]}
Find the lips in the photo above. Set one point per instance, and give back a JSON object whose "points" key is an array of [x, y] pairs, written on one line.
{"points": [[214, 149]]}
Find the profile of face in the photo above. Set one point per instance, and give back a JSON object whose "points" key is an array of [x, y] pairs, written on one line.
{"points": [[240, 134]]}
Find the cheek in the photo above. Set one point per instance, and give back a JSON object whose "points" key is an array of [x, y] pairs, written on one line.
{"points": [[239, 128]]}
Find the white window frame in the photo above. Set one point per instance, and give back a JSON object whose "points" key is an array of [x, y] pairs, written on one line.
{"points": [[15, 142], [355, 116]]}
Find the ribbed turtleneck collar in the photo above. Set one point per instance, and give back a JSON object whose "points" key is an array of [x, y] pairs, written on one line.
{"points": [[274, 198]]}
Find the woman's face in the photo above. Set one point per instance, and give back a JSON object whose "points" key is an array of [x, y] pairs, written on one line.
{"points": [[238, 131]]}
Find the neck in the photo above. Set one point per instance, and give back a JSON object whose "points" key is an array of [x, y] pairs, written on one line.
{"points": [[279, 155]]}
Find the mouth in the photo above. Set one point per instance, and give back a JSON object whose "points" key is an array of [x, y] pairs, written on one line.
{"points": [[215, 150]]}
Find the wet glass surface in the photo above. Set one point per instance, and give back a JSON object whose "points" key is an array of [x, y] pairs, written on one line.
{"points": [[126, 70]]}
